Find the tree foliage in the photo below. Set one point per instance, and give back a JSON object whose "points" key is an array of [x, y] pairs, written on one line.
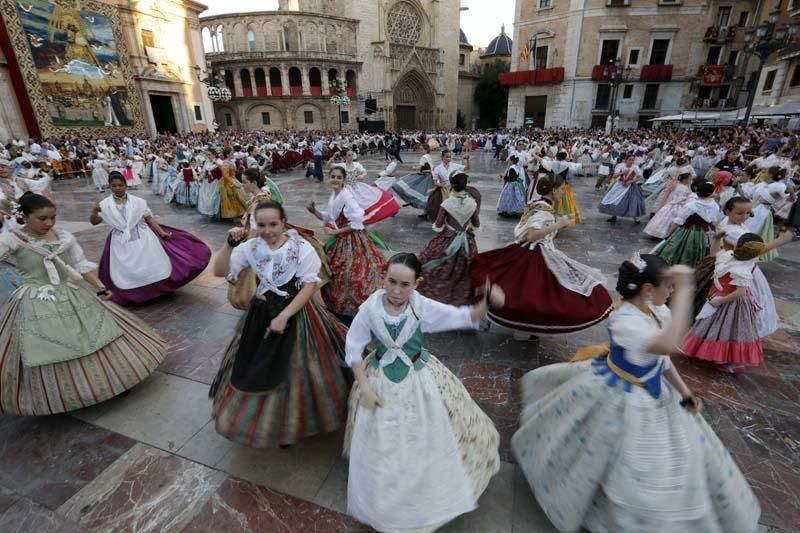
{"points": [[491, 97]]}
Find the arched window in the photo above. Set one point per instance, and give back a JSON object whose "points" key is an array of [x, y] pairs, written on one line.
{"points": [[315, 81], [208, 43], [251, 41], [332, 75], [295, 82], [247, 87], [331, 39], [261, 82], [229, 82], [220, 39], [275, 81], [351, 83], [290, 39]]}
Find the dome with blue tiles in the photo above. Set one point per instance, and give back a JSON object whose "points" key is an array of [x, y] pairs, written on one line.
{"points": [[500, 46]]}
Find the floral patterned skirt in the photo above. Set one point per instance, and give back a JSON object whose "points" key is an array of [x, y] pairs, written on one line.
{"points": [[357, 268]]}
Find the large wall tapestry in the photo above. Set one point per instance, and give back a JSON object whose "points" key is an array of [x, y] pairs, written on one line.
{"points": [[73, 57]]}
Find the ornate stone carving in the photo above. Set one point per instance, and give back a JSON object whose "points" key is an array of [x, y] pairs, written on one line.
{"points": [[401, 55], [404, 24]]}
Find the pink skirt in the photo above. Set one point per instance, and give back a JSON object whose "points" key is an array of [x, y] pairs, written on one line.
{"points": [[730, 335]]}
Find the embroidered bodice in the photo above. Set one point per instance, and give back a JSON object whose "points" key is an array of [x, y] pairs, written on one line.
{"points": [[539, 218]]}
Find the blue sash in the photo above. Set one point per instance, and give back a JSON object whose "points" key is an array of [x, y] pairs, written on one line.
{"points": [[618, 368]]}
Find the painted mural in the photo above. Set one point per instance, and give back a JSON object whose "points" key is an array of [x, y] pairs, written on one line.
{"points": [[73, 51]]}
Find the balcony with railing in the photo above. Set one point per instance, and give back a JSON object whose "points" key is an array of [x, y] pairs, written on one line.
{"points": [[656, 73], [542, 76], [602, 72], [717, 34]]}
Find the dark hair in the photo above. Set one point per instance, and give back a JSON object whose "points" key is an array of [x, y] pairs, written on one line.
{"points": [[702, 188], [458, 181], [269, 204], [446, 151], [30, 202], [561, 155], [776, 172], [742, 252], [426, 147], [254, 175], [731, 204], [407, 260], [683, 176], [546, 185], [116, 175], [343, 171], [630, 279]]}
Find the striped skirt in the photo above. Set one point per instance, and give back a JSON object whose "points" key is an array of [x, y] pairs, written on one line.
{"points": [[78, 383], [312, 399]]}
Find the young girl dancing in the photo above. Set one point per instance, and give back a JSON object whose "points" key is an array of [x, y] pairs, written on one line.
{"points": [[688, 239], [624, 198], [661, 223], [560, 294], [447, 257], [512, 198], [355, 262], [616, 443], [726, 330], [421, 450]]}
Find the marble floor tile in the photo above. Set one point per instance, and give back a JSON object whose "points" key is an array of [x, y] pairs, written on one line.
{"points": [[50, 458], [206, 446], [164, 411], [7, 498], [333, 492], [243, 507], [299, 470], [777, 487], [487, 382], [145, 490], [27, 516]]}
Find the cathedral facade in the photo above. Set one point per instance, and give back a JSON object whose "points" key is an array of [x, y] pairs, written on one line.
{"points": [[395, 60]]}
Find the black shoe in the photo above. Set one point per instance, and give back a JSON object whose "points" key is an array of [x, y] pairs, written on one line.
{"points": [[636, 221], [423, 215], [612, 220]]}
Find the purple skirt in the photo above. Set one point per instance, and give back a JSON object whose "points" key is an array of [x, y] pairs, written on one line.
{"points": [[189, 257]]}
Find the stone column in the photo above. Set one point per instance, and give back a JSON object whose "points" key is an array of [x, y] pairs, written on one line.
{"points": [[237, 81], [266, 79], [325, 81], [285, 80], [253, 85], [306, 82]]}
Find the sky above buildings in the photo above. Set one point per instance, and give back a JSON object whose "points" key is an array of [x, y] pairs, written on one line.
{"points": [[481, 22]]}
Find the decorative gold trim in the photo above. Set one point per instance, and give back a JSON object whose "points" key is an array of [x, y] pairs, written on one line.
{"points": [[24, 56]]}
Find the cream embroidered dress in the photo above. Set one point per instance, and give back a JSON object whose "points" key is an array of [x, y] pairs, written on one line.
{"points": [[61, 348], [429, 452]]}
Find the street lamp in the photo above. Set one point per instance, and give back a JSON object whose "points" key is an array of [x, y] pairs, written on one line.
{"points": [[616, 74], [762, 41], [340, 98], [212, 80]]}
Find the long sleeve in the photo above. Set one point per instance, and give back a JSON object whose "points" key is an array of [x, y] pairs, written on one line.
{"points": [[352, 211], [358, 337], [76, 258], [440, 317], [237, 263], [308, 264]]}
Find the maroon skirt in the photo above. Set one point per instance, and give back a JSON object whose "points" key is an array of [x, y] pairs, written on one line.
{"points": [[450, 281], [535, 301], [189, 257]]}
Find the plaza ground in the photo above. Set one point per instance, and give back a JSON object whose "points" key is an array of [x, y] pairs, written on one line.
{"points": [[151, 460]]}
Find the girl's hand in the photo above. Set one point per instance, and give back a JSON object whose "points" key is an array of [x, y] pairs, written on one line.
{"points": [[716, 301], [237, 234], [311, 207], [369, 399], [565, 221], [496, 297], [719, 234], [278, 325], [692, 403], [166, 235], [681, 275], [96, 209]]}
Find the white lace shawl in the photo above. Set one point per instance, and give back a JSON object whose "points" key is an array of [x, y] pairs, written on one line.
{"points": [[705, 208], [741, 271]]}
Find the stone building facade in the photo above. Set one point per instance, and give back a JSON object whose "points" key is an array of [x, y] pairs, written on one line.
{"points": [[469, 74], [780, 79], [398, 56], [675, 54]]}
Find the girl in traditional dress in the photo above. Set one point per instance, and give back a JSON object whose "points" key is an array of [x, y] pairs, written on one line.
{"points": [[232, 199], [187, 192], [512, 198], [281, 379], [386, 178], [737, 211], [726, 329], [131, 177], [415, 188], [616, 444], [441, 182], [99, 173], [259, 187], [661, 223], [355, 262], [376, 203], [143, 260], [421, 450], [208, 200], [624, 198], [659, 191], [763, 195], [560, 294], [563, 170], [688, 240], [61, 346], [447, 257]]}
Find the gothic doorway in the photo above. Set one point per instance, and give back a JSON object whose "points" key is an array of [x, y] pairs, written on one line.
{"points": [[163, 113], [414, 102]]}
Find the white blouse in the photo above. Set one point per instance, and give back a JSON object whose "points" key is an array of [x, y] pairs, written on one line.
{"points": [[634, 331], [344, 202], [441, 174], [705, 208], [438, 317], [275, 268]]}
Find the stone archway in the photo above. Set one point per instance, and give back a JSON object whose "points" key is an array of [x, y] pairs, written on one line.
{"points": [[414, 102]]}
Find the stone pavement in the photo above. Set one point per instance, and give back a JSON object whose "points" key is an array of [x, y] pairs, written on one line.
{"points": [[151, 460]]}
